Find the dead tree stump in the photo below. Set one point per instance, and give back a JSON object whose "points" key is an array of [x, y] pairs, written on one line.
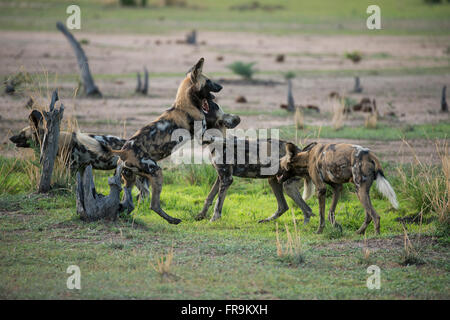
{"points": [[444, 105], [191, 38], [93, 206], [290, 97], [49, 146], [357, 87], [142, 88], [90, 89]]}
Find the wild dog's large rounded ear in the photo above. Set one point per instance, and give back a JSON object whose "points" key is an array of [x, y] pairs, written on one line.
{"points": [[197, 69], [35, 119], [291, 150]]}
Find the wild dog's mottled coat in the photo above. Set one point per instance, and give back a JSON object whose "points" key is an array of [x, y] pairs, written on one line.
{"points": [[336, 164], [154, 141], [226, 170]]}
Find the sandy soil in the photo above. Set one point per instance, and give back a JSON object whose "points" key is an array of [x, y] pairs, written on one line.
{"points": [[415, 98]]}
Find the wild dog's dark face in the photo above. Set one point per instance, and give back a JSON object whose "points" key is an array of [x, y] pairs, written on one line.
{"points": [[33, 133], [293, 163], [24, 139], [202, 87], [216, 118]]}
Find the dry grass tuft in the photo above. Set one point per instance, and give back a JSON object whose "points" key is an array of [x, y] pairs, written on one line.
{"points": [[164, 263], [291, 250], [338, 108], [371, 120], [428, 186]]}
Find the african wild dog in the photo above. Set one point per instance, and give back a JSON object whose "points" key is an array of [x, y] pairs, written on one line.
{"points": [[76, 148], [154, 142], [82, 149], [336, 164], [226, 171]]}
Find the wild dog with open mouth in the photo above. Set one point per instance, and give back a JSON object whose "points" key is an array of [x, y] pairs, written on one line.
{"points": [[154, 142], [77, 149], [336, 164], [226, 171]]}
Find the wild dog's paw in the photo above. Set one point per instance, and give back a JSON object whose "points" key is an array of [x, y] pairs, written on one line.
{"points": [[214, 218], [174, 221], [200, 216]]}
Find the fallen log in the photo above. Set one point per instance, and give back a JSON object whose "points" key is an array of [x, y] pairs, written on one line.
{"points": [[90, 89], [93, 206]]}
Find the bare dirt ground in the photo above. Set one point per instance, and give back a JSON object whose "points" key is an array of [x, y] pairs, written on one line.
{"points": [[401, 73]]}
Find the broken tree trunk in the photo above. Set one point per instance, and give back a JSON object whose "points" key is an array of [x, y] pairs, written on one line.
{"points": [[191, 38], [145, 87], [444, 105], [290, 98], [49, 147], [357, 87], [142, 88], [139, 84], [90, 89], [92, 206]]}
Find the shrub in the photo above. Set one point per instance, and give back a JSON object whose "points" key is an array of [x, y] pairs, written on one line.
{"points": [[243, 69], [128, 3], [354, 56]]}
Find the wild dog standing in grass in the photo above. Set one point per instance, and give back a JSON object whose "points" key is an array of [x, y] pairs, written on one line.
{"points": [[336, 164], [154, 141], [226, 171], [76, 148]]}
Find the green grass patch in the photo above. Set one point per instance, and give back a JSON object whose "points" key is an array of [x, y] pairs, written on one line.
{"points": [[233, 258], [384, 132], [327, 17]]}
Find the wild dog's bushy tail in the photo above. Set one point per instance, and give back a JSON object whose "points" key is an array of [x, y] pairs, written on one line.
{"points": [[91, 144], [308, 188], [382, 184]]}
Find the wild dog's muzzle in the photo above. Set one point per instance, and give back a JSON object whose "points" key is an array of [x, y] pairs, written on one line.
{"points": [[229, 120], [213, 86], [20, 141]]}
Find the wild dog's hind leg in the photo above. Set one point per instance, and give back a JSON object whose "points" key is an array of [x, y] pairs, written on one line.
{"points": [[156, 182], [321, 192], [142, 184], [225, 181], [209, 200], [277, 189], [130, 178], [291, 187], [364, 198]]}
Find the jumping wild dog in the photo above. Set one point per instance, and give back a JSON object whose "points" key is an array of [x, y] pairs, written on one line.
{"points": [[336, 164], [154, 141]]}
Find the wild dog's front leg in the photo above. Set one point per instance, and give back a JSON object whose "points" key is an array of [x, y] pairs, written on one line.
{"points": [[156, 181], [337, 188], [321, 192], [209, 200], [277, 189], [291, 187], [225, 181]]}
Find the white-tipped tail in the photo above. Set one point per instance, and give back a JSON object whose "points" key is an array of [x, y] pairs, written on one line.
{"points": [[308, 189], [90, 143], [385, 188]]}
